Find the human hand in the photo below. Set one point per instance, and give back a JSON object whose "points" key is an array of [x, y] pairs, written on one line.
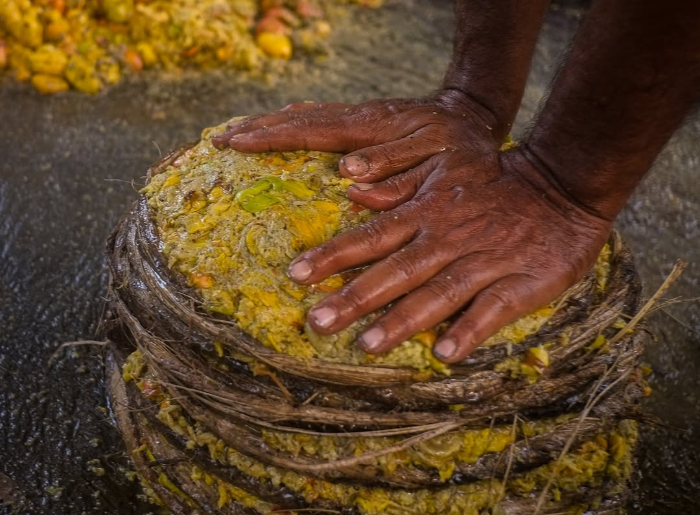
{"points": [[381, 137], [487, 233]]}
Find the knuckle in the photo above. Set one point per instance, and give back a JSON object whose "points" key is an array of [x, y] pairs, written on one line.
{"points": [[323, 255], [448, 289], [283, 135], [457, 191], [392, 107], [413, 183], [383, 156], [434, 242], [351, 298], [401, 320], [407, 184], [371, 234], [399, 186], [240, 124], [348, 113], [301, 123], [504, 297], [404, 265], [363, 114], [464, 330], [261, 122], [375, 132]]}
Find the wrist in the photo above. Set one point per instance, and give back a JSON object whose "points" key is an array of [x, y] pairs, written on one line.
{"points": [[557, 192], [598, 184], [463, 101]]}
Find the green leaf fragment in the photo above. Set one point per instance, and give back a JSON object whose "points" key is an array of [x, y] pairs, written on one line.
{"points": [[259, 202], [253, 199]]}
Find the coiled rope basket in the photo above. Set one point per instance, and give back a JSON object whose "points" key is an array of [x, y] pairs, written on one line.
{"points": [[230, 404]]}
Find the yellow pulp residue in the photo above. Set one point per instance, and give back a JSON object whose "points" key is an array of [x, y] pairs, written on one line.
{"points": [[90, 44], [441, 453], [231, 223], [608, 455]]}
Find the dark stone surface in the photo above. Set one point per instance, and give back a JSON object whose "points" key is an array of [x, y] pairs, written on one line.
{"points": [[70, 164]]}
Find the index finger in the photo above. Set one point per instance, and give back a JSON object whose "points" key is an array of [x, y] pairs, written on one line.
{"points": [[369, 242], [307, 131], [256, 122], [327, 111]]}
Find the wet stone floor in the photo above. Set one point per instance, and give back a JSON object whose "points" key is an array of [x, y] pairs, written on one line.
{"points": [[70, 165]]}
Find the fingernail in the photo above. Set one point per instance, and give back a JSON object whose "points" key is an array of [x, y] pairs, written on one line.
{"points": [[363, 186], [356, 165], [445, 349], [300, 270], [372, 338], [324, 317]]}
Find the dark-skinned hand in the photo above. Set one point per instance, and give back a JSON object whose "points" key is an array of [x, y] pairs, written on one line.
{"points": [[463, 229], [380, 138]]}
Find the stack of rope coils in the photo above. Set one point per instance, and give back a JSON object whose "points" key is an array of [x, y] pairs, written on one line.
{"points": [[217, 422]]}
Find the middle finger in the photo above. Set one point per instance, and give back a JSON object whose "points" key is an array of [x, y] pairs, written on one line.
{"points": [[379, 285], [432, 303]]}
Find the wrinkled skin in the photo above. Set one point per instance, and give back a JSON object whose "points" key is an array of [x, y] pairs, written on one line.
{"points": [[463, 226]]}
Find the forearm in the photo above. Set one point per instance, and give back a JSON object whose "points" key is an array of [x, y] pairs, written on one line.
{"points": [[493, 48], [632, 76]]}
